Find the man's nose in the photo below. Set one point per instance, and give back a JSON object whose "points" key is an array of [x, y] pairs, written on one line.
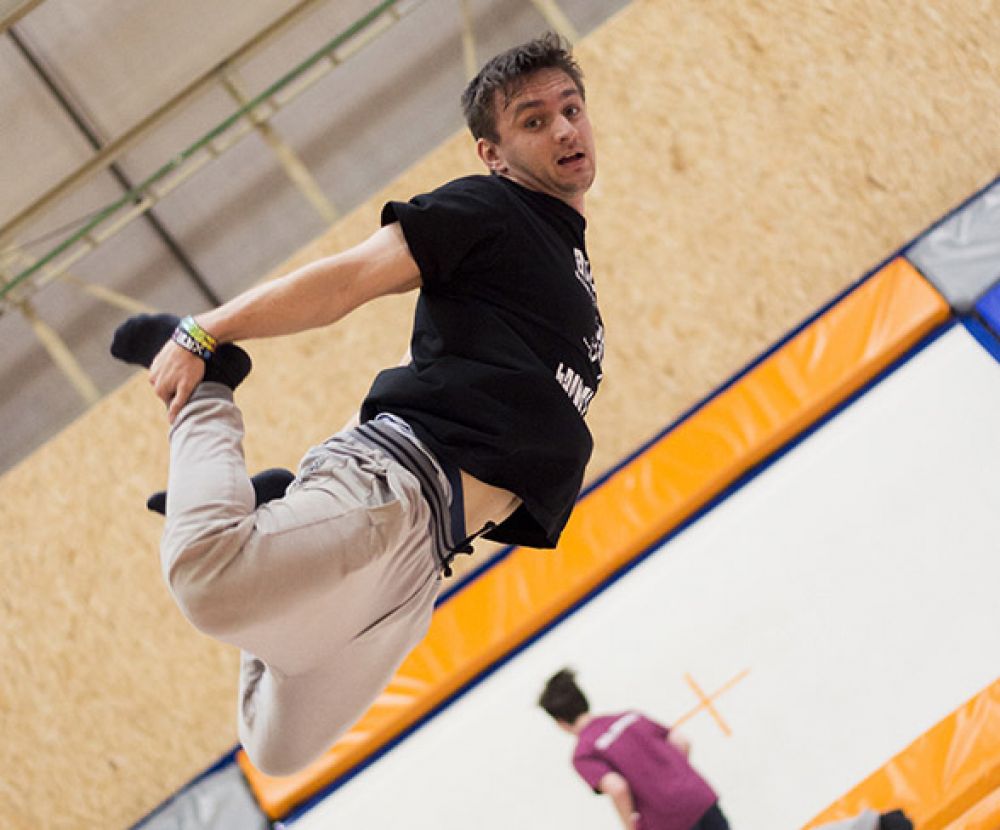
{"points": [[563, 129]]}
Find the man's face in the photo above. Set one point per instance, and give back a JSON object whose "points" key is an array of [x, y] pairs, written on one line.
{"points": [[546, 143]]}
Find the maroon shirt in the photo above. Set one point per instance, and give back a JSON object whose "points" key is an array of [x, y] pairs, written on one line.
{"points": [[668, 794]]}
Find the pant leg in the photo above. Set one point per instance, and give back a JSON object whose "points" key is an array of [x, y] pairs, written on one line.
{"points": [[287, 721], [209, 497], [712, 820], [327, 588], [302, 572]]}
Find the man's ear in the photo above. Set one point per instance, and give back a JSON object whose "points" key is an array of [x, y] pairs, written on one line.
{"points": [[491, 155]]}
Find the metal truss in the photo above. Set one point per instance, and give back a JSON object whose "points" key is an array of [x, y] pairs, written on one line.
{"points": [[22, 276]]}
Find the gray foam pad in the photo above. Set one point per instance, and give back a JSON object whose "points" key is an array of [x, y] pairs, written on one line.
{"points": [[218, 801], [961, 256]]}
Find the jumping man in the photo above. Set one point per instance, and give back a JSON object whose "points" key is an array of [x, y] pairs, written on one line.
{"points": [[326, 587]]}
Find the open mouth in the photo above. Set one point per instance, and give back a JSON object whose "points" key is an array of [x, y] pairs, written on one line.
{"points": [[571, 158]]}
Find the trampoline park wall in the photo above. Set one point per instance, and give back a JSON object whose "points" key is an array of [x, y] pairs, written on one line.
{"points": [[736, 195]]}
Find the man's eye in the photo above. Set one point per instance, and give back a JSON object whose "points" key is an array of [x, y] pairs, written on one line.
{"points": [[532, 123], [572, 111]]}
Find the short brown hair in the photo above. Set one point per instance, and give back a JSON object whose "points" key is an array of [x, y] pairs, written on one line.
{"points": [[507, 73], [562, 698]]}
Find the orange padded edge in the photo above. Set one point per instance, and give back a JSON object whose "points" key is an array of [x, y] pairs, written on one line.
{"points": [[814, 371], [984, 815], [948, 779]]}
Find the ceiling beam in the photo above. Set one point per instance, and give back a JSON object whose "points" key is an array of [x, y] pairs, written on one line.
{"points": [[13, 10]]}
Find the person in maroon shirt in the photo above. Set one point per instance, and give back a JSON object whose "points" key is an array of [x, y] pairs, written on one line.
{"points": [[640, 764]]}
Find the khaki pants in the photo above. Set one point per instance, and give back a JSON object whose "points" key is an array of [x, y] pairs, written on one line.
{"points": [[325, 590]]}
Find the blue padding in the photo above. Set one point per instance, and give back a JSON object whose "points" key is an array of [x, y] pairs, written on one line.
{"points": [[983, 336], [988, 308]]}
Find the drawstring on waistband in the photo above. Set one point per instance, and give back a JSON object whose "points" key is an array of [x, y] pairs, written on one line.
{"points": [[465, 546]]}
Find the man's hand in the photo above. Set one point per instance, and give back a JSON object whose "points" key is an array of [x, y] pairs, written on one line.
{"points": [[682, 744], [317, 294], [173, 374]]}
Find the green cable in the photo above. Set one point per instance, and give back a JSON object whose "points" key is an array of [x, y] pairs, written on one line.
{"points": [[136, 192]]}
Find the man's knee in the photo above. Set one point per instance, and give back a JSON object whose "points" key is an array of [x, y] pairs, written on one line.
{"points": [[200, 578], [273, 759], [276, 754]]}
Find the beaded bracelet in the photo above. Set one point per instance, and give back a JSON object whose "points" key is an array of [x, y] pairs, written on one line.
{"points": [[189, 335]]}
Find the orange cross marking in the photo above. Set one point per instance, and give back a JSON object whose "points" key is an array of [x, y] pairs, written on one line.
{"points": [[705, 701]]}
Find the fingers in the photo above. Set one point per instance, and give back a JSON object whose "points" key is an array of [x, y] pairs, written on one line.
{"points": [[174, 374], [175, 404], [177, 390], [175, 396]]}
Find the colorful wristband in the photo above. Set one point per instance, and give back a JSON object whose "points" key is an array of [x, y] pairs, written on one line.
{"points": [[189, 326], [186, 341]]}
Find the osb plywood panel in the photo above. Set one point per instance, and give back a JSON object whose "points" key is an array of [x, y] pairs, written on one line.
{"points": [[755, 158]]}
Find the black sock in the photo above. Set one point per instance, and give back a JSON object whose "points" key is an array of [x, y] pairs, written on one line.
{"points": [[267, 485], [895, 820], [139, 339]]}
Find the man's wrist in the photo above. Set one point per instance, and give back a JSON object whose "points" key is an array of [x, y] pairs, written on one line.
{"points": [[193, 338]]}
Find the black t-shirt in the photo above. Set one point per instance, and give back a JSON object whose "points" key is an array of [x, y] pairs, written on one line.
{"points": [[507, 345]]}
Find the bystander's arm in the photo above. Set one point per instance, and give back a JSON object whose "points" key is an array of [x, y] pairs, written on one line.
{"points": [[679, 742], [616, 787]]}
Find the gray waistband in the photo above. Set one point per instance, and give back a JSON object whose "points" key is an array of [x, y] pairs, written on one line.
{"points": [[399, 442], [440, 485]]}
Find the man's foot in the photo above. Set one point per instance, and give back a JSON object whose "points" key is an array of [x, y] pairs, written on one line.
{"points": [[267, 485], [894, 820], [139, 339]]}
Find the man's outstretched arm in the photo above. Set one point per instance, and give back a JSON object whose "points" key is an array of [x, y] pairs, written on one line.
{"points": [[315, 295]]}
